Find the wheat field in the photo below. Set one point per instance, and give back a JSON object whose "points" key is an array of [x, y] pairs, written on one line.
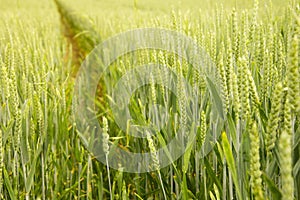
{"points": [[233, 118]]}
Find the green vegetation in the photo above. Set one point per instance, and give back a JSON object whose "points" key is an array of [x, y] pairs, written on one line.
{"points": [[255, 46]]}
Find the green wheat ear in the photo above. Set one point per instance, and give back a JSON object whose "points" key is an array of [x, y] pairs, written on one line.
{"points": [[253, 90], [203, 128], [244, 91], [222, 74], [274, 118], [229, 68], [255, 172], [105, 136], [236, 97], [293, 75], [155, 161], [285, 153], [5, 81], [153, 152]]}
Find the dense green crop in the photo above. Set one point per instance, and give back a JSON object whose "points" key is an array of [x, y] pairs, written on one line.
{"points": [[255, 153]]}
